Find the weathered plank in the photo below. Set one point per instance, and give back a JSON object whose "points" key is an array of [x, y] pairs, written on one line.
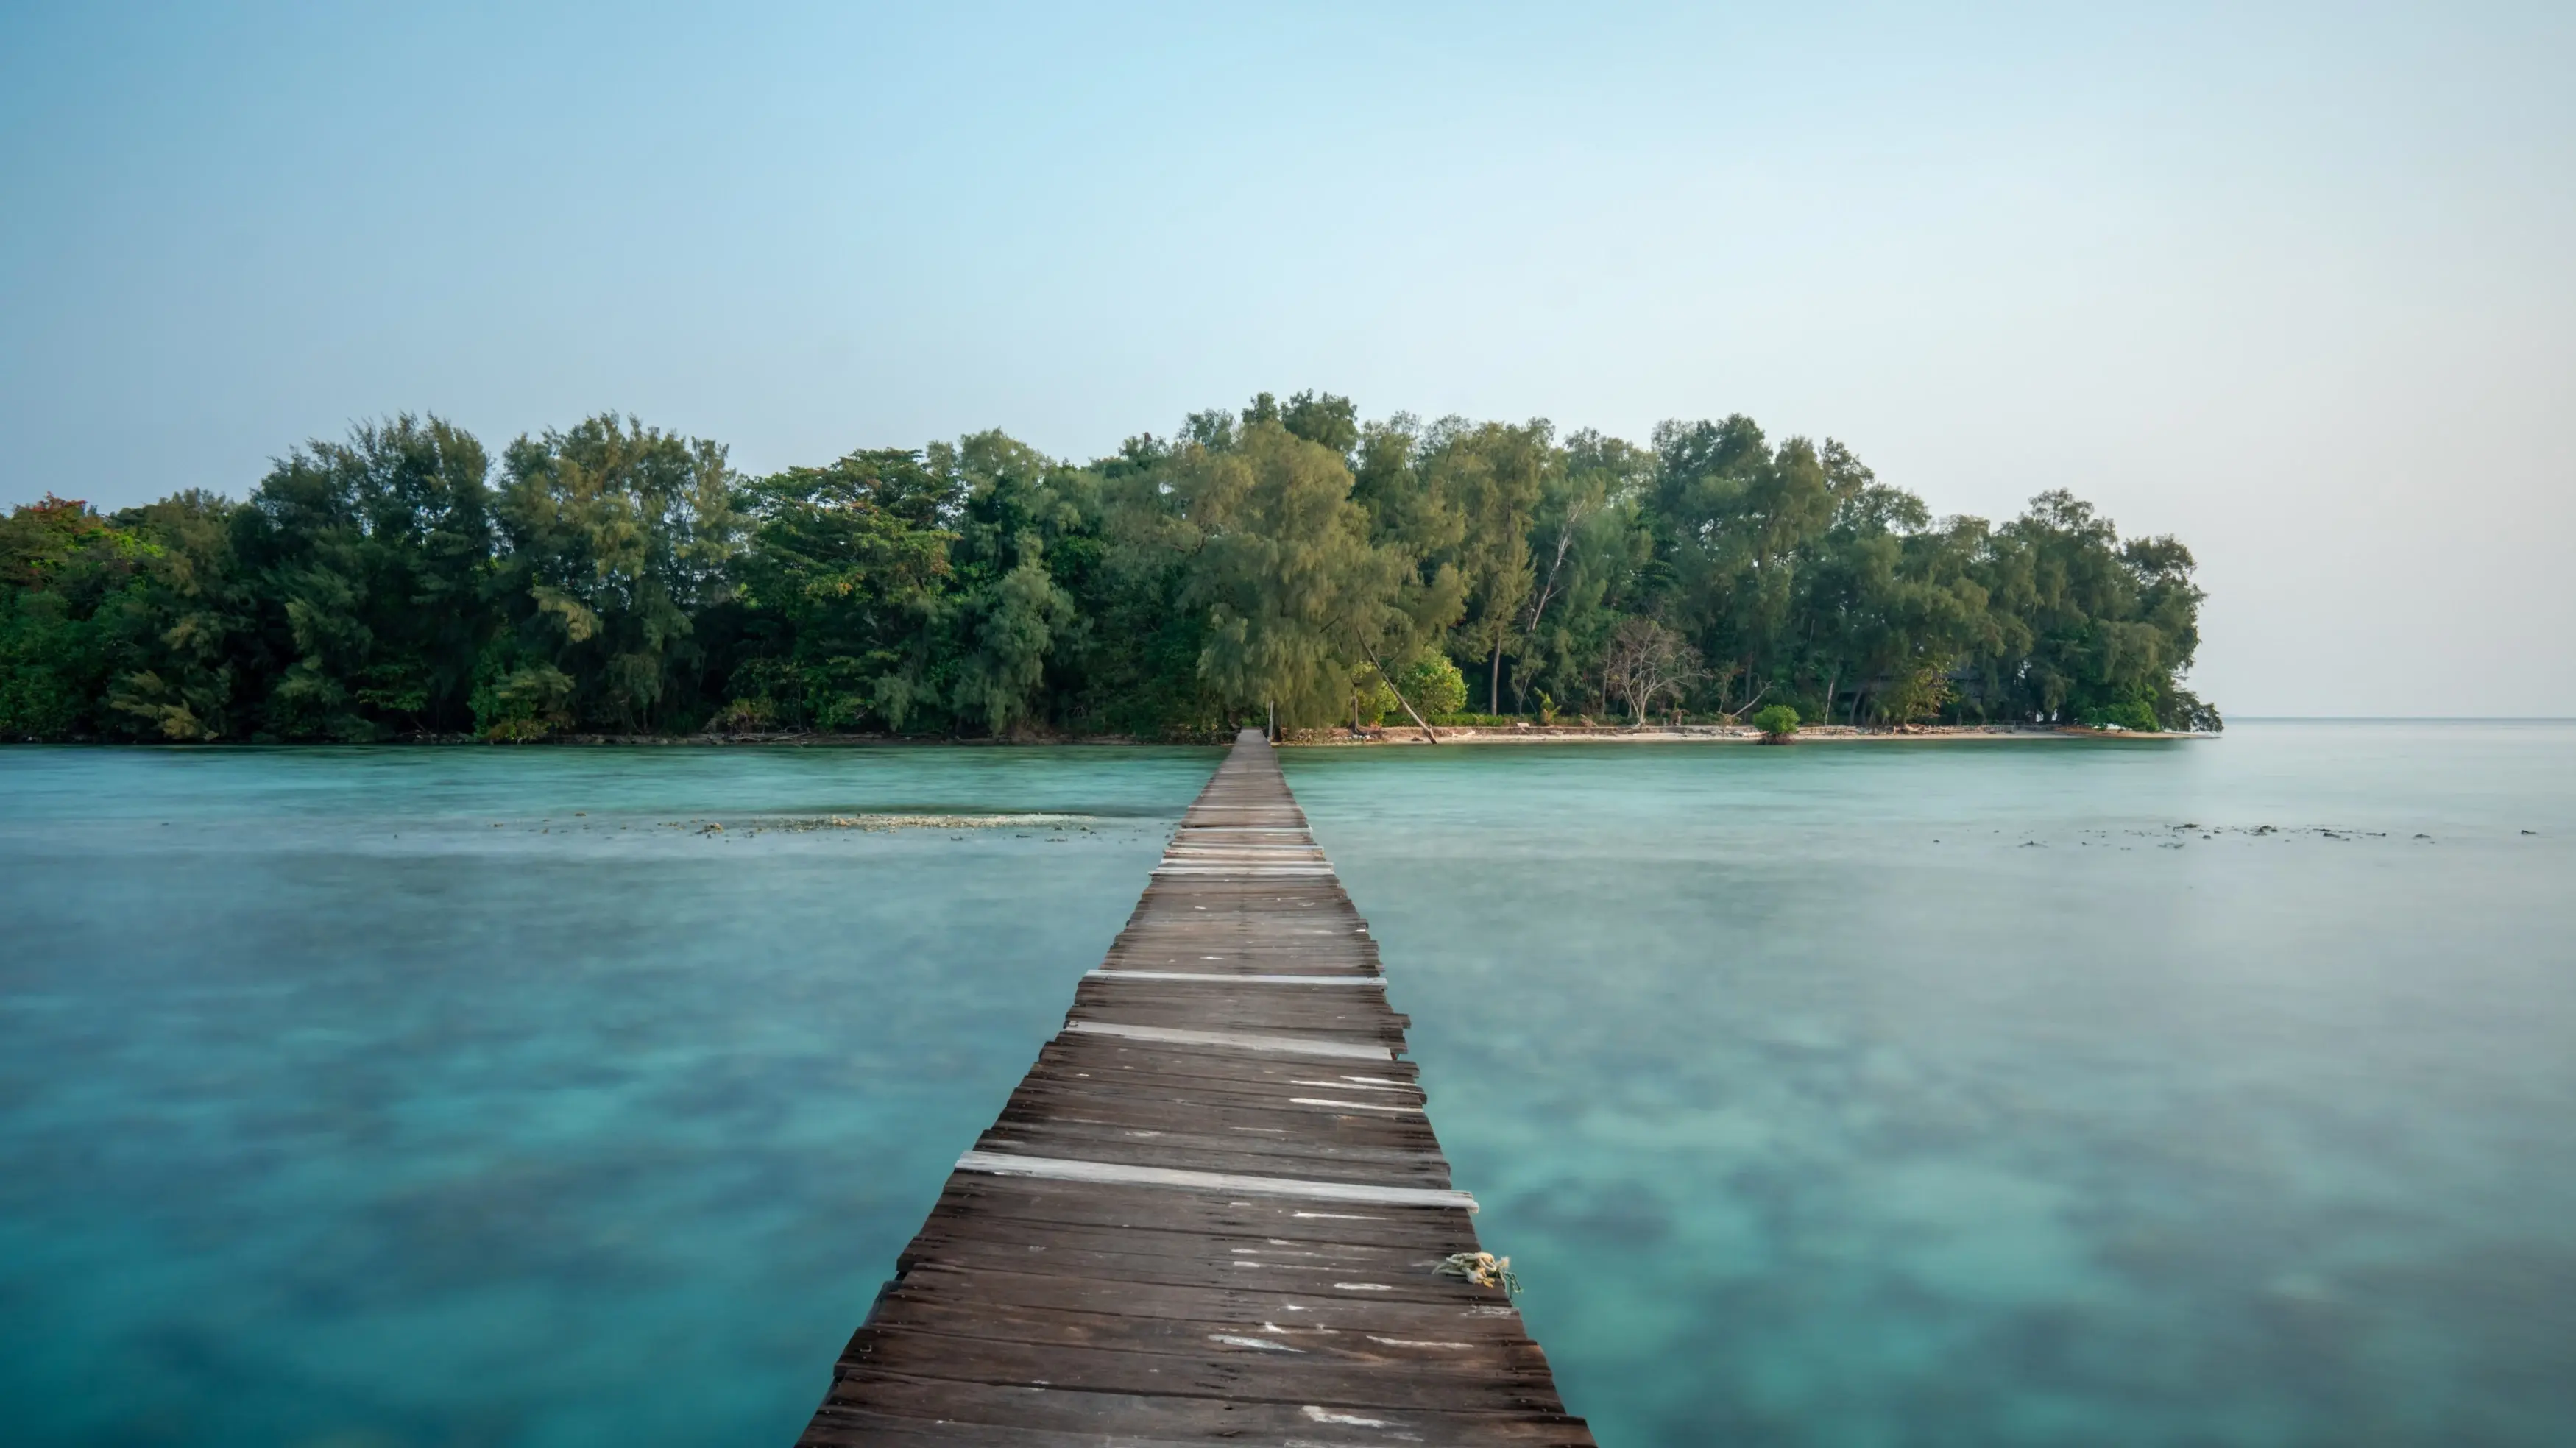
{"points": [[1213, 1210]]}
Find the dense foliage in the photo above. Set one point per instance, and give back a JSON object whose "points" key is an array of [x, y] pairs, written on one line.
{"points": [[615, 578]]}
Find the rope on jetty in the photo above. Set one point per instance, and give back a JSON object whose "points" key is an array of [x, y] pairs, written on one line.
{"points": [[1483, 1269]]}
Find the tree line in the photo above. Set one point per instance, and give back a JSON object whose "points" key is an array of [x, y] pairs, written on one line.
{"points": [[614, 578]]}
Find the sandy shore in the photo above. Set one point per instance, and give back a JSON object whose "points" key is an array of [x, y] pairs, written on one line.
{"points": [[1703, 734], [1336, 737]]}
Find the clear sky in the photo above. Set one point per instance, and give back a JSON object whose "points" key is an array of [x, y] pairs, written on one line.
{"points": [[2297, 284]]}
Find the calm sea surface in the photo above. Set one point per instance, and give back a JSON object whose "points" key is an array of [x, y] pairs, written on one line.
{"points": [[1976, 1093]]}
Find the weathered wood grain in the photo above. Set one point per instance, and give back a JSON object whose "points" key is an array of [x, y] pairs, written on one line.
{"points": [[1212, 1211]]}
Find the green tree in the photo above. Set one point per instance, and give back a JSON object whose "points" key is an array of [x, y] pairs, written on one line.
{"points": [[189, 653], [620, 577], [1322, 419], [840, 588], [1491, 477], [617, 534], [1296, 594], [1138, 659], [1778, 721], [1432, 684], [1734, 521], [1007, 615], [61, 565], [1590, 545], [372, 559], [2082, 620]]}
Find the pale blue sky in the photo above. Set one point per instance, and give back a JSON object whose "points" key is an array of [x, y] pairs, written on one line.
{"points": [[2294, 284]]}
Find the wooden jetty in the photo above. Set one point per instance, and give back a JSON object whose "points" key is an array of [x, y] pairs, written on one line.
{"points": [[1214, 1210]]}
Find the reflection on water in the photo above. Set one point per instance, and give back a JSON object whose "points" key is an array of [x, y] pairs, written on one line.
{"points": [[1831, 1095], [1953, 1093]]}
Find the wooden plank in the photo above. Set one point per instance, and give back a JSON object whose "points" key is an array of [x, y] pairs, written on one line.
{"points": [[1009, 1200], [1058, 1169], [1103, 975], [1237, 1040], [1214, 1210], [1183, 1417], [1236, 1366], [1246, 1302], [1033, 1240]]}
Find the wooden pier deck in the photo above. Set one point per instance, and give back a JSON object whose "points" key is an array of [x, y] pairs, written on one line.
{"points": [[1212, 1211]]}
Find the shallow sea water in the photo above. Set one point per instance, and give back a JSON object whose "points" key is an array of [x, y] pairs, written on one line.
{"points": [[332, 1114], [1841, 1095], [1950, 1093]]}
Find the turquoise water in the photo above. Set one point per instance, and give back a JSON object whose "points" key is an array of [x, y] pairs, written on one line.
{"points": [[1832, 1095], [332, 1114], [1950, 1094]]}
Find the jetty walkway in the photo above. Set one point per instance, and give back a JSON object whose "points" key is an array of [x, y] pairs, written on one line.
{"points": [[1214, 1210]]}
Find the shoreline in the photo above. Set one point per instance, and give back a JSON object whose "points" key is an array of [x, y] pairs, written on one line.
{"points": [[1337, 737], [1410, 734]]}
